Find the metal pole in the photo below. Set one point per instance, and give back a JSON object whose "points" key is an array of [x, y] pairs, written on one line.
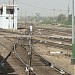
{"points": [[30, 43], [68, 8], [13, 13], [73, 35], [9, 2], [25, 18]]}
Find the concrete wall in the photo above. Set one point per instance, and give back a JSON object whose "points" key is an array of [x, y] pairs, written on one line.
{"points": [[6, 20]]}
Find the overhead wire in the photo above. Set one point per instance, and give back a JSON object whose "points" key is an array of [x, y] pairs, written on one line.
{"points": [[38, 6]]}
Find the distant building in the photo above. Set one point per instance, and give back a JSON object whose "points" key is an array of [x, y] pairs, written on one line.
{"points": [[6, 17]]}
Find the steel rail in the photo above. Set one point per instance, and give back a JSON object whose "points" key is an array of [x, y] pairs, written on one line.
{"points": [[23, 62]]}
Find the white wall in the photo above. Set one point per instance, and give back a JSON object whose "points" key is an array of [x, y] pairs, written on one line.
{"points": [[8, 23]]}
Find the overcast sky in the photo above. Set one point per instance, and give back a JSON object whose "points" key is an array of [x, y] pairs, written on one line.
{"points": [[44, 7]]}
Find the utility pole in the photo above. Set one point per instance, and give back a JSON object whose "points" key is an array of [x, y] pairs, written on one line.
{"points": [[73, 35], [9, 17], [25, 18], [37, 17], [68, 8], [9, 2], [30, 52], [13, 13]]}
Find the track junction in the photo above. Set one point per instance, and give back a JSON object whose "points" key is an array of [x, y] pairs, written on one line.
{"points": [[32, 51]]}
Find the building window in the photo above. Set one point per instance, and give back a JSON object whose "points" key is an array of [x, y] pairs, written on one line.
{"points": [[1, 11], [12, 18], [7, 18], [9, 11]]}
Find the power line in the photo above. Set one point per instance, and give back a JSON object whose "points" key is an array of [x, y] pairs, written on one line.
{"points": [[39, 7]]}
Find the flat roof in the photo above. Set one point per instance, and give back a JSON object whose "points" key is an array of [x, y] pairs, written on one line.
{"points": [[8, 5]]}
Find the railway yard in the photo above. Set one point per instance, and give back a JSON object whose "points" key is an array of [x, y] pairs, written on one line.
{"points": [[44, 51]]}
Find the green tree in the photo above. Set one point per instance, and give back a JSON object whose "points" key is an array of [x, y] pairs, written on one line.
{"points": [[61, 18], [70, 19]]}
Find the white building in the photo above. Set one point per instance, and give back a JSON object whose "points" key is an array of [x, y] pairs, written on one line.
{"points": [[6, 17]]}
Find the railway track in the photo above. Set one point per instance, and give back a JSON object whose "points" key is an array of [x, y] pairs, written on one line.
{"points": [[55, 42], [39, 66], [13, 54], [56, 37], [47, 31], [59, 44], [50, 43], [5, 31], [25, 45]]}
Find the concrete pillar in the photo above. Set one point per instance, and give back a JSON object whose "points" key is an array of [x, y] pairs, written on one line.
{"points": [[4, 24], [4, 10]]}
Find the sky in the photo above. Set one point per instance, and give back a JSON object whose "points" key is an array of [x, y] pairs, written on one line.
{"points": [[44, 7]]}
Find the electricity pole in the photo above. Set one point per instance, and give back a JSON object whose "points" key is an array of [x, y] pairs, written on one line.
{"points": [[9, 2], [68, 8], [30, 54], [13, 13], [73, 35], [37, 17], [25, 18]]}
